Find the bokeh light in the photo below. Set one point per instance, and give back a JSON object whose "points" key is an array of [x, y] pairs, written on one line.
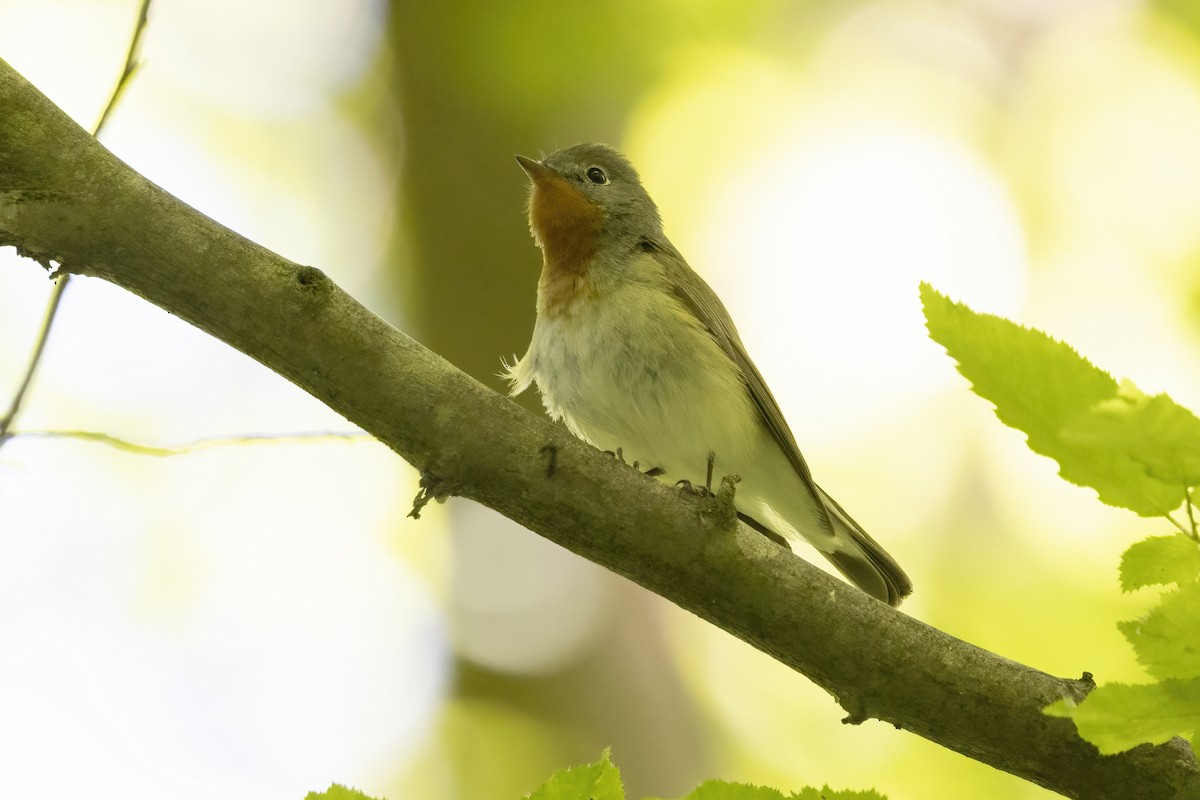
{"points": [[262, 621]]}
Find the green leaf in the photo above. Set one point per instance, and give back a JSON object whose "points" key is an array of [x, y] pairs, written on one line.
{"points": [[828, 794], [1116, 717], [1160, 560], [1167, 640], [1047, 390], [337, 792], [723, 790], [1156, 432], [597, 781]]}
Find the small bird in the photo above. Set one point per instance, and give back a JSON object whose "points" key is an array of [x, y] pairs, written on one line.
{"points": [[637, 355]]}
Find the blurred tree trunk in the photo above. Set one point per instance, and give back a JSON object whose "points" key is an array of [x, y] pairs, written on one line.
{"points": [[471, 99]]}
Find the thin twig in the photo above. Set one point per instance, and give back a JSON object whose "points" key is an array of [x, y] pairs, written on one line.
{"points": [[43, 334], [131, 65], [207, 443], [60, 286], [1187, 497], [1177, 524]]}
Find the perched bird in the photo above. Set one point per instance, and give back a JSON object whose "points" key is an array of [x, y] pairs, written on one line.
{"points": [[635, 353]]}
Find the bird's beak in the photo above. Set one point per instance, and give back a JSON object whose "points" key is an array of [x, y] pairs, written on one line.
{"points": [[536, 169]]}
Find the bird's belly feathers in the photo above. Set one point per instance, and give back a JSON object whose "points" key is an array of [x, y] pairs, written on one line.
{"points": [[667, 396], [637, 371]]}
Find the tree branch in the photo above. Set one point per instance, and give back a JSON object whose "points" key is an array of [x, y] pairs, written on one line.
{"points": [[56, 294], [66, 201]]}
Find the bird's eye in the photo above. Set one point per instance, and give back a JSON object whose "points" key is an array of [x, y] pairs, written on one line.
{"points": [[596, 176]]}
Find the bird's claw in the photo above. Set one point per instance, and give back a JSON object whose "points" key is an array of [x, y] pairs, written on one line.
{"points": [[686, 486], [653, 472], [618, 455]]}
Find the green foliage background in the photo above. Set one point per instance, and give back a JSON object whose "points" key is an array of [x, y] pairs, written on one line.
{"points": [[263, 621], [1001, 549], [1139, 453]]}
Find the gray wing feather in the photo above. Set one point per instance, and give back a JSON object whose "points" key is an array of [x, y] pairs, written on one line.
{"points": [[702, 301], [874, 571]]}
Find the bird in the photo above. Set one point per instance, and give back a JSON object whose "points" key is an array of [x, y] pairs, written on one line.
{"points": [[636, 354]]}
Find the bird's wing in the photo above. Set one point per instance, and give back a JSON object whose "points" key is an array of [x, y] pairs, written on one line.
{"points": [[699, 298]]}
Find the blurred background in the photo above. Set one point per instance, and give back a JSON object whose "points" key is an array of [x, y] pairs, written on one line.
{"points": [[257, 622]]}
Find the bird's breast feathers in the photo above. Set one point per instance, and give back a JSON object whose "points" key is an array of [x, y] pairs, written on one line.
{"points": [[633, 368]]}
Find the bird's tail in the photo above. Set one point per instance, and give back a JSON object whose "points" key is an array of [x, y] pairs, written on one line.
{"points": [[864, 563]]}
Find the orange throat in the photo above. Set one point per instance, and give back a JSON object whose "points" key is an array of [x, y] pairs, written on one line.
{"points": [[566, 224]]}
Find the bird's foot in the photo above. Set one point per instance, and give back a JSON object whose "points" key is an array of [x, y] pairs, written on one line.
{"points": [[653, 472], [706, 489], [716, 508], [687, 487], [618, 455]]}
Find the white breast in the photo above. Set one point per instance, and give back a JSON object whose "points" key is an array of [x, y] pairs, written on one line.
{"points": [[635, 370]]}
